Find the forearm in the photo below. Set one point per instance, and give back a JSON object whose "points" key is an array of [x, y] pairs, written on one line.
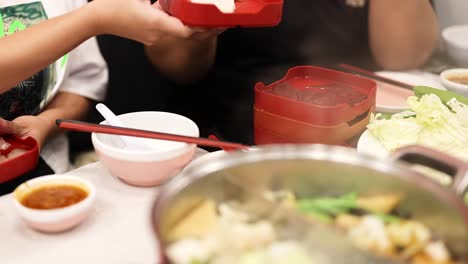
{"points": [[27, 52], [183, 60], [63, 106], [402, 33]]}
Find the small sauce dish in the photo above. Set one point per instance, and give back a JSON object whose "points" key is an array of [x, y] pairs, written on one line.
{"points": [[54, 203], [455, 80]]}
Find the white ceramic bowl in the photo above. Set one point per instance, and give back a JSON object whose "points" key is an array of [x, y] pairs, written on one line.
{"points": [[54, 220], [455, 87], [456, 43], [148, 167]]}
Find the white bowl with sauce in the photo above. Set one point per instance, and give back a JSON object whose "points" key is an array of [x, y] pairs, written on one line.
{"points": [[54, 203], [456, 80]]}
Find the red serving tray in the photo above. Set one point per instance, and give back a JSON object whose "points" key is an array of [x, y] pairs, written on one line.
{"points": [[248, 13], [17, 166], [317, 114]]}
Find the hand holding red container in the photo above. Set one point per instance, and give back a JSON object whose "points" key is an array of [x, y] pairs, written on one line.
{"points": [[251, 13]]}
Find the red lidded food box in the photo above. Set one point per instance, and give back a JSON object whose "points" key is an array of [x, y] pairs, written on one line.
{"points": [[248, 13], [21, 156], [313, 105]]}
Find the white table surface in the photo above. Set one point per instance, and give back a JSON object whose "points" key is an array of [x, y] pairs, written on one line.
{"points": [[118, 231]]}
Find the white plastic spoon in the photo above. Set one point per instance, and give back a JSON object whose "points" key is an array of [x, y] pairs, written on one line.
{"points": [[113, 120]]}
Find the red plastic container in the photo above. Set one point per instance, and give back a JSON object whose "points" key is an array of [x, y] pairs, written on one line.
{"points": [[17, 166], [248, 13], [293, 131], [313, 105], [322, 115], [265, 137]]}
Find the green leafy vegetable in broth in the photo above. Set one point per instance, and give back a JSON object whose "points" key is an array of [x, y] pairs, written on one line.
{"points": [[372, 223], [326, 209], [239, 236]]}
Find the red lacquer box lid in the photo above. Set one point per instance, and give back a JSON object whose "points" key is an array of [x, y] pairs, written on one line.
{"points": [[248, 13], [318, 96], [23, 163]]}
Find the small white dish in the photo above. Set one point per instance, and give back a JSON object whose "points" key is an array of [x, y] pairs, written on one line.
{"points": [[456, 43], [59, 219], [446, 77]]}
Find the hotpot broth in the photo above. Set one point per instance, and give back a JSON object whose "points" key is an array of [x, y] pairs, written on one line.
{"points": [[322, 178]]}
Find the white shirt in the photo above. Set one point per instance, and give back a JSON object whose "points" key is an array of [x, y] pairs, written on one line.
{"points": [[83, 71]]}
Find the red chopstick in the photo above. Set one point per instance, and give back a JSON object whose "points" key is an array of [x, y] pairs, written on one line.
{"points": [[213, 137], [106, 129], [372, 75]]}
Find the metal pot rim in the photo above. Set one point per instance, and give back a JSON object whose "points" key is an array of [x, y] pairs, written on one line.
{"points": [[336, 154]]}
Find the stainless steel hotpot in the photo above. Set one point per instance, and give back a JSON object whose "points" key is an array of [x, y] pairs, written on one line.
{"points": [[318, 170]]}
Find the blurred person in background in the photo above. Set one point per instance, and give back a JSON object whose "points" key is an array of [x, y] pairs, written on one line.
{"points": [[51, 66], [215, 76]]}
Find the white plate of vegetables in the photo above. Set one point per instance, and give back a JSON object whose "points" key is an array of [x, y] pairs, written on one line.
{"points": [[435, 118]]}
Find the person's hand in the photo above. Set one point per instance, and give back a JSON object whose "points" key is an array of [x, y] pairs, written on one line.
{"points": [[198, 33], [143, 22], [26, 126], [137, 20], [204, 34]]}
